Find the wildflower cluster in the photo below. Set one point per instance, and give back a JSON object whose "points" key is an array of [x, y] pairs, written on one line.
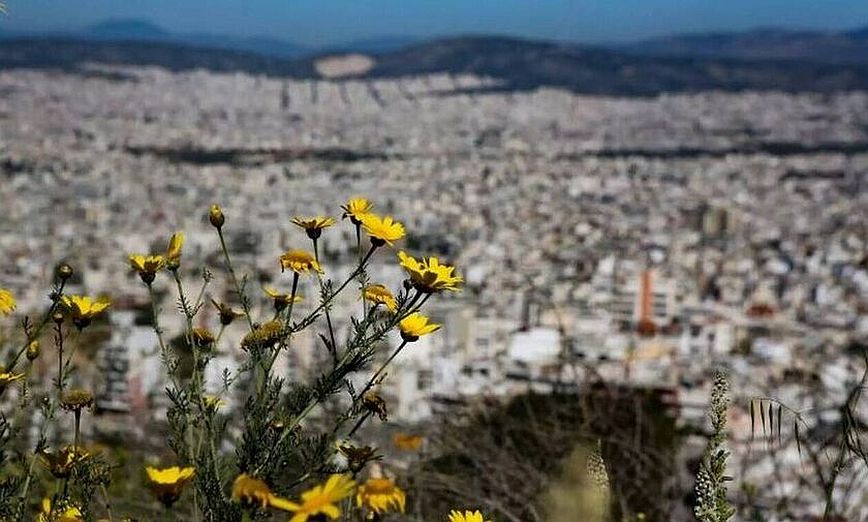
{"points": [[287, 450]]}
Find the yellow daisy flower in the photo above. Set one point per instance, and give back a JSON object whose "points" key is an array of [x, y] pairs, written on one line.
{"points": [[428, 275], [168, 484], [203, 338], [213, 402], [61, 462], [408, 442], [7, 378], [76, 399], [226, 313], [147, 266], [323, 499], [381, 495], [83, 309], [415, 326], [66, 514], [173, 251], [299, 261], [379, 294], [467, 516], [250, 490], [7, 302], [356, 208], [382, 231], [281, 300], [264, 336], [314, 225]]}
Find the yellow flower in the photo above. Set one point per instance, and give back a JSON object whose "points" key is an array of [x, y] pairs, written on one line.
{"points": [[76, 400], [203, 338], [83, 308], [314, 225], [356, 208], [32, 350], [381, 495], [213, 402], [415, 326], [61, 462], [299, 261], [428, 275], [467, 516], [281, 301], [216, 217], [357, 457], [66, 514], [379, 294], [173, 251], [147, 266], [407, 442], [322, 499], [381, 230], [7, 302], [264, 336], [376, 404], [7, 378], [226, 313], [250, 490], [168, 484]]}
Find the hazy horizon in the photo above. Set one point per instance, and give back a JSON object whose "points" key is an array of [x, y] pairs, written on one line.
{"points": [[312, 23]]}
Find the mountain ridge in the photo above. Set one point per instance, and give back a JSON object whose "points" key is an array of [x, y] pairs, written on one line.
{"points": [[518, 64]]}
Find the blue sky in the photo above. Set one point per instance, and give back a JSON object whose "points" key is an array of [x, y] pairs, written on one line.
{"points": [[317, 22]]}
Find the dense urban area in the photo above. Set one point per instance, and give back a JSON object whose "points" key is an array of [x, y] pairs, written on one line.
{"points": [[637, 241]]}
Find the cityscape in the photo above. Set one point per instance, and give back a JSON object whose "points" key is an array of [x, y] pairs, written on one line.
{"points": [[641, 242]]}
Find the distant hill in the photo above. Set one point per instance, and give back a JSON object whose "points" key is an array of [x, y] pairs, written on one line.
{"points": [[520, 64], [528, 64], [763, 44], [135, 30], [378, 45], [126, 29]]}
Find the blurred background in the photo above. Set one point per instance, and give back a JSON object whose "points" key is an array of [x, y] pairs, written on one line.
{"points": [[637, 192]]}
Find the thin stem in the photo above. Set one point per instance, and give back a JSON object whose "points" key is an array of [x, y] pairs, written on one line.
{"points": [[155, 314], [361, 283], [382, 368], [239, 288], [333, 346], [35, 333], [359, 424], [77, 435], [58, 332], [108, 506], [343, 285], [280, 347]]}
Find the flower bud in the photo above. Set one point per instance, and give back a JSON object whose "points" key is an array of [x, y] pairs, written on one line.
{"points": [[32, 350], [64, 271], [215, 216], [57, 317]]}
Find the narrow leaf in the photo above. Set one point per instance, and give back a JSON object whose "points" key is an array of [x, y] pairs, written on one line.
{"points": [[771, 421], [780, 416], [798, 440], [752, 419], [763, 417]]}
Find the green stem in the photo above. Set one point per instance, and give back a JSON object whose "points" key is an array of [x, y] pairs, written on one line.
{"points": [[59, 339], [361, 282], [333, 347], [284, 342], [343, 285], [35, 333], [382, 368], [239, 289]]}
